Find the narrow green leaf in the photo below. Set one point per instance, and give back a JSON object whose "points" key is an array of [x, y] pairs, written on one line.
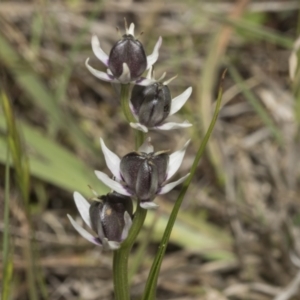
{"points": [[7, 251], [41, 95], [18, 155], [151, 284], [52, 163], [258, 31], [22, 174]]}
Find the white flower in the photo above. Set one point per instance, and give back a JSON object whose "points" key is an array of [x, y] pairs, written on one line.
{"points": [[127, 59], [145, 171], [108, 216], [151, 105]]}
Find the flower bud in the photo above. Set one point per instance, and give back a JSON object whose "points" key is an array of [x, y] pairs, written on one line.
{"points": [[151, 104], [130, 51], [107, 215], [144, 173]]}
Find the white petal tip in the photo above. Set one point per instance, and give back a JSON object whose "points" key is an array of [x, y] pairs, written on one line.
{"points": [[99, 74], [169, 186], [180, 100], [114, 185], [139, 126], [148, 205], [95, 40], [131, 29], [110, 245], [112, 160], [175, 160], [99, 53], [173, 125], [152, 58], [128, 223], [147, 147], [125, 76], [83, 232], [83, 207]]}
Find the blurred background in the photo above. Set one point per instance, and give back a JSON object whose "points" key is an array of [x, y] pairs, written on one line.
{"points": [[237, 235]]}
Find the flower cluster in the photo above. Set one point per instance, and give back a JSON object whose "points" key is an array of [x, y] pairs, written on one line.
{"points": [[141, 174]]}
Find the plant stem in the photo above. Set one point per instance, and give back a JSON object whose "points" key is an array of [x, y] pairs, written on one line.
{"points": [[151, 284], [120, 260], [125, 95]]}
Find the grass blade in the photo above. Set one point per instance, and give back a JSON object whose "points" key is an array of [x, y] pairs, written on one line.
{"points": [[151, 284], [51, 163], [22, 173], [7, 251], [41, 95]]}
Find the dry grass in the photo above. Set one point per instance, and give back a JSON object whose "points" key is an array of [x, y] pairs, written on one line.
{"points": [[238, 234]]}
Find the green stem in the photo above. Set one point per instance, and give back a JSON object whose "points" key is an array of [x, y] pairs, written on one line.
{"points": [[125, 95], [139, 138], [120, 260], [20, 162], [6, 248], [151, 284]]}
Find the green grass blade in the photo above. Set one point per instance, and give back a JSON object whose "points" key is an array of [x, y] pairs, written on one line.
{"points": [[52, 163], [18, 155], [258, 31], [41, 95], [7, 251], [22, 173], [151, 284], [212, 242]]}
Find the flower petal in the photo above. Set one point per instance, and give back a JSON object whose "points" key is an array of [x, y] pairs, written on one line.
{"points": [[125, 76], [128, 223], [130, 30], [100, 232], [168, 187], [162, 77], [144, 81], [173, 125], [139, 126], [152, 58], [175, 160], [114, 185], [83, 207], [169, 80], [112, 245], [100, 54], [99, 74], [150, 73], [147, 147], [112, 160], [84, 233], [148, 205], [180, 100]]}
